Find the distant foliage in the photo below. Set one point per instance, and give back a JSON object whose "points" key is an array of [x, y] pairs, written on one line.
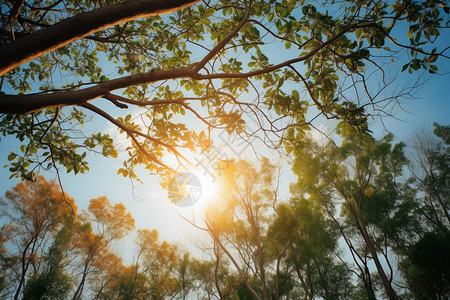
{"points": [[365, 220]]}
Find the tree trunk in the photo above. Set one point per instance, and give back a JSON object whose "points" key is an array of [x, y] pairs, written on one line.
{"points": [[25, 264], [235, 263], [386, 283], [262, 272], [77, 294], [76, 27]]}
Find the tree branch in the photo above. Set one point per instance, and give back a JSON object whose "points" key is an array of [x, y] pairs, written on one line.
{"points": [[130, 133], [34, 102], [222, 43], [28, 103], [235, 263], [36, 44]]}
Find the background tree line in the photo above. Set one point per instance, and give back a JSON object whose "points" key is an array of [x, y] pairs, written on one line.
{"points": [[367, 219]]}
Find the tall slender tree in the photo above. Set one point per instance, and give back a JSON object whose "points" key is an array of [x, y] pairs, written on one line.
{"points": [[362, 181], [34, 213], [425, 262], [93, 235], [239, 225], [53, 281]]}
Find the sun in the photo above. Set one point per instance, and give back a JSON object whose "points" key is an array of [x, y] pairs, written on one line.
{"points": [[209, 186], [193, 187]]}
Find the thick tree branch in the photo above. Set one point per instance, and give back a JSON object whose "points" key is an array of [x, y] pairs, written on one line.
{"points": [[36, 44], [27, 103]]}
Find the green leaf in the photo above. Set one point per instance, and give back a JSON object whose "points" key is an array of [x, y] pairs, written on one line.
{"points": [[405, 67], [295, 95], [433, 58]]}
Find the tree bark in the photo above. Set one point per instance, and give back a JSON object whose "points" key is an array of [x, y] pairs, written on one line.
{"points": [[235, 263], [25, 264], [28, 103], [36, 44], [392, 295]]}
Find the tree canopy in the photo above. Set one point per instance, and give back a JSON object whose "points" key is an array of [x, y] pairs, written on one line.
{"points": [[282, 63]]}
